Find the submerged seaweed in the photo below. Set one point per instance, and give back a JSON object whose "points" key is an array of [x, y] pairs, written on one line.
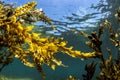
{"points": [[109, 67], [18, 40], [33, 50]]}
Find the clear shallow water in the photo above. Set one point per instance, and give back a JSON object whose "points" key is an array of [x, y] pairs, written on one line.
{"points": [[66, 15]]}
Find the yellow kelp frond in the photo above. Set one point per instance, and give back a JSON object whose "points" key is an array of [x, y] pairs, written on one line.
{"points": [[24, 9], [29, 14], [28, 46], [17, 53], [5, 13], [28, 28], [19, 27], [23, 14], [75, 53], [35, 34]]}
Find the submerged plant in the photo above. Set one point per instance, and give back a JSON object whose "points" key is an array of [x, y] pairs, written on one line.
{"points": [[109, 67], [17, 40]]}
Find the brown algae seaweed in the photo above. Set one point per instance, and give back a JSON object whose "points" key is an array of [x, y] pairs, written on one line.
{"points": [[15, 36], [17, 40]]}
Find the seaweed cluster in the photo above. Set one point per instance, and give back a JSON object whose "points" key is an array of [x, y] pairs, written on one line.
{"points": [[17, 40], [109, 67]]}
